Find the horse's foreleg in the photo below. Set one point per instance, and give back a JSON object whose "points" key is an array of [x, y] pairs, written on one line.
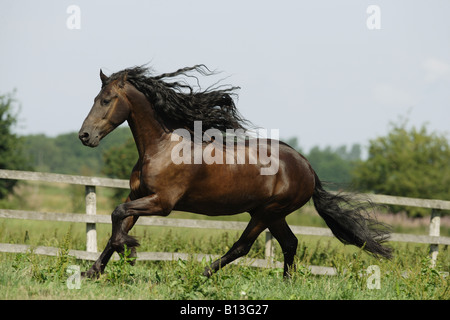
{"points": [[126, 214], [119, 226], [99, 265]]}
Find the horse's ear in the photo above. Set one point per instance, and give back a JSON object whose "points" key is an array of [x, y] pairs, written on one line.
{"points": [[103, 77], [123, 80]]}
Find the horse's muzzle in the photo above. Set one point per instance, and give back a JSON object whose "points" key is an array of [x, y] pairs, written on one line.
{"points": [[88, 140]]}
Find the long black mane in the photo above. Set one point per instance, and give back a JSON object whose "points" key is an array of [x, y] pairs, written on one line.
{"points": [[178, 104]]}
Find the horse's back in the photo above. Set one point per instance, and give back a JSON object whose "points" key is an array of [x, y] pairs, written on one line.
{"points": [[236, 188]]}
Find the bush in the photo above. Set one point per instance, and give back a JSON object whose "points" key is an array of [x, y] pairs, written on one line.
{"points": [[407, 162]]}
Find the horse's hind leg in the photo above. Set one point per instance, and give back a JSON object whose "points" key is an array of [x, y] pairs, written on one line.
{"points": [[288, 242], [240, 248]]}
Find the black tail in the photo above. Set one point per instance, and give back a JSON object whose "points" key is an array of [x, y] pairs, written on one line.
{"points": [[350, 221]]}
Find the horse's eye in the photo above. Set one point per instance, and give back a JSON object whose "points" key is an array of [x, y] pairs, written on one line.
{"points": [[106, 101]]}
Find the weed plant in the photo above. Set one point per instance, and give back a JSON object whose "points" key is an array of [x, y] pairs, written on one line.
{"points": [[407, 276], [29, 276]]}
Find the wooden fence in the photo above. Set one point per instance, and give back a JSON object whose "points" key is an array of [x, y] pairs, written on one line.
{"points": [[91, 219]]}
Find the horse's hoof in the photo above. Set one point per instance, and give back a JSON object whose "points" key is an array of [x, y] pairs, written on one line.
{"points": [[91, 274], [208, 272]]}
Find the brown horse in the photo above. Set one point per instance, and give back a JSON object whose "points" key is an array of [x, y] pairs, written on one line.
{"points": [[158, 109]]}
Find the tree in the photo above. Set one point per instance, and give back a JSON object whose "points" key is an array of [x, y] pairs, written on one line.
{"points": [[293, 142], [118, 163], [11, 156], [120, 160], [334, 165], [66, 154], [407, 162]]}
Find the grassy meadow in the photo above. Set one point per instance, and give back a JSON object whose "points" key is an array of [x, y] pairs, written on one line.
{"points": [[28, 276]]}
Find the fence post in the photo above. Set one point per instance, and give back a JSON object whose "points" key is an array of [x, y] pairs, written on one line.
{"points": [[91, 208], [435, 222], [269, 252]]}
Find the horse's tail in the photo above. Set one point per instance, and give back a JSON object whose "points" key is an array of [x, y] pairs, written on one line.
{"points": [[350, 221]]}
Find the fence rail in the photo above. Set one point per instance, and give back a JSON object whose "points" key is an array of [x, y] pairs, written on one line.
{"points": [[91, 219]]}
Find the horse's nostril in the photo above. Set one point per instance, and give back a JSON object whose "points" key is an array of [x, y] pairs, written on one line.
{"points": [[84, 136]]}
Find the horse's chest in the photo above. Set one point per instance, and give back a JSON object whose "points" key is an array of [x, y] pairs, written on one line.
{"points": [[148, 179]]}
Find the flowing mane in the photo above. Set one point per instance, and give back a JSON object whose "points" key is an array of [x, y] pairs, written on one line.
{"points": [[178, 104]]}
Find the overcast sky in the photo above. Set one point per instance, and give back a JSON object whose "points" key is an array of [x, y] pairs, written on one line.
{"points": [[312, 69]]}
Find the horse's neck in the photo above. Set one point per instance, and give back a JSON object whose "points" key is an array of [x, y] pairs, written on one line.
{"points": [[147, 132]]}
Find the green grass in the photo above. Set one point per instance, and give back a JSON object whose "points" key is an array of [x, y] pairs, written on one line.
{"points": [[29, 276]]}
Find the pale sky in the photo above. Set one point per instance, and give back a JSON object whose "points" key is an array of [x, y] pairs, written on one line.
{"points": [[312, 69]]}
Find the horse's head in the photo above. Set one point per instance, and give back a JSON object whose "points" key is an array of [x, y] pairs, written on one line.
{"points": [[111, 108]]}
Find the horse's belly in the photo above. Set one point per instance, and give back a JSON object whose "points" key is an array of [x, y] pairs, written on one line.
{"points": [[227, 195], [216, 203]]}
